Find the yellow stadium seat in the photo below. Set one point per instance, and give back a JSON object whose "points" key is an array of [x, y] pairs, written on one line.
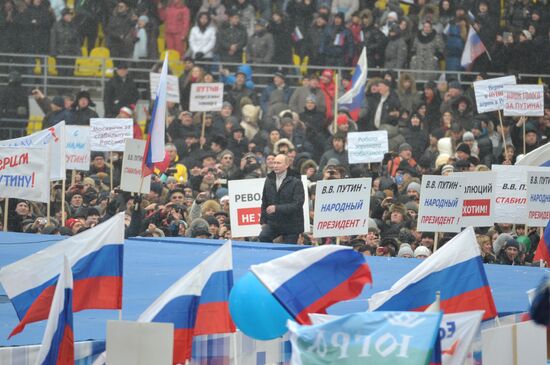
{"points": [[97, 64], [70, 4], [52, 66], [34, 124], [174, 61], [161, 44], [37, 66], [84, 51]]}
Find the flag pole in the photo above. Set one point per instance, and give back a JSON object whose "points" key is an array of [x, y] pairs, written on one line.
{"points": [[436, 241], [203, 128], [502, 131], [335, 111], [235, 358], [111, 168], [48, 206], [524, 148], [6, 214], [63, 202]]}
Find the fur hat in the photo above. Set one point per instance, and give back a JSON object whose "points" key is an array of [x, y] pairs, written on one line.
{"points": [[400, 208], [210, 205], [280, 142]]}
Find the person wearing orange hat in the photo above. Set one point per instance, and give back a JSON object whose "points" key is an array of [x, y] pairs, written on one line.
{"points": [[329, 90]]}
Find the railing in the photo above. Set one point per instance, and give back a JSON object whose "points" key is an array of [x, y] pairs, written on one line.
{"points": [[50, 83]]}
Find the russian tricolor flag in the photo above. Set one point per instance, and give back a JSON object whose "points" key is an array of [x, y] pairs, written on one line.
{"points": [[95, 256], [154, 148], [537, 157], [473, 48], [311, 280], [456, 270], [354, 97], [197, 304], [543, 249], [58, 342]]}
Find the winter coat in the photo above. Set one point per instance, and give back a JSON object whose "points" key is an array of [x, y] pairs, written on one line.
{"points": [[83, 116], [288, 200], [247, 16], [176, 18], [228, 35], [337, 45], [454, 46], [418, 139], [300, 15], [298, 99], [265, 98], [374, 40], [342, 157], [313, 44], [202, 41], [64, 39], [35, 23], [120, 35], [390, 103], [395, 139], [216, 12], [348, 7], [118, 93], [283, 42], [51, 118], [426, 49], [10, 32], [260, 48], [395, 56]]}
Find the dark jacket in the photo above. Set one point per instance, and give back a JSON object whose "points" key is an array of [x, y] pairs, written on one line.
{"points": [[228, 35], [288, 200], [118, 93], [35, 24], [65, 39], [120, 35], [83, 116]]}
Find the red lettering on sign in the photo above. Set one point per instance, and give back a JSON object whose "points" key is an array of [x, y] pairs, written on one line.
{"points": [[249, 216]]}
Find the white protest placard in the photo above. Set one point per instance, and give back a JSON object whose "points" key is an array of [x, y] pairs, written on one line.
{"points": [[440, 208], [489, 93], [77, 152], [130, 179], [342, 207], [108, 134], [367, 147], [523, 100], [54, 135], [245, 206], [24, 173], [478, 196], [172, 87], [538, 198], [206, 97], [511, 193]]}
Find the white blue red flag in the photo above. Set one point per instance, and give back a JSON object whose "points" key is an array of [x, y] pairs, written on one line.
{"points": [[154, 148], [537, 157], [456, 270], [311, 280], [197, 304], [58, 342], [473, 48], [543, 249], [354, 97], [95, 256]]}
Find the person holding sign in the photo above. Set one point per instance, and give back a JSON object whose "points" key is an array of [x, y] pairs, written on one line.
{"points": [[282, 201]]}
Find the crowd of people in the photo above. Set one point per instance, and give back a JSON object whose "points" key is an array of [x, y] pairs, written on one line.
{"points": [[427, 35], [433, 128]]}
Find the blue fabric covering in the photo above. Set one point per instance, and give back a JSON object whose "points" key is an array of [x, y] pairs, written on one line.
{"points": [[152, 265]]}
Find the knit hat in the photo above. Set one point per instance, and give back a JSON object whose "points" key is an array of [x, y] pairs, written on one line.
{"points": [[447, 169], [69, 223], [58, 100], [405, 146], [511, 243], [342, 119], [412, 205], [311, 98], [413, 185], [212, 221], [468, 136], [463, 147], [405, 249], [422, 251]]}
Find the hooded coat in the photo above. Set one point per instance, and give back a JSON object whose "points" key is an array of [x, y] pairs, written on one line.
{"points": [[426, 49]]}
